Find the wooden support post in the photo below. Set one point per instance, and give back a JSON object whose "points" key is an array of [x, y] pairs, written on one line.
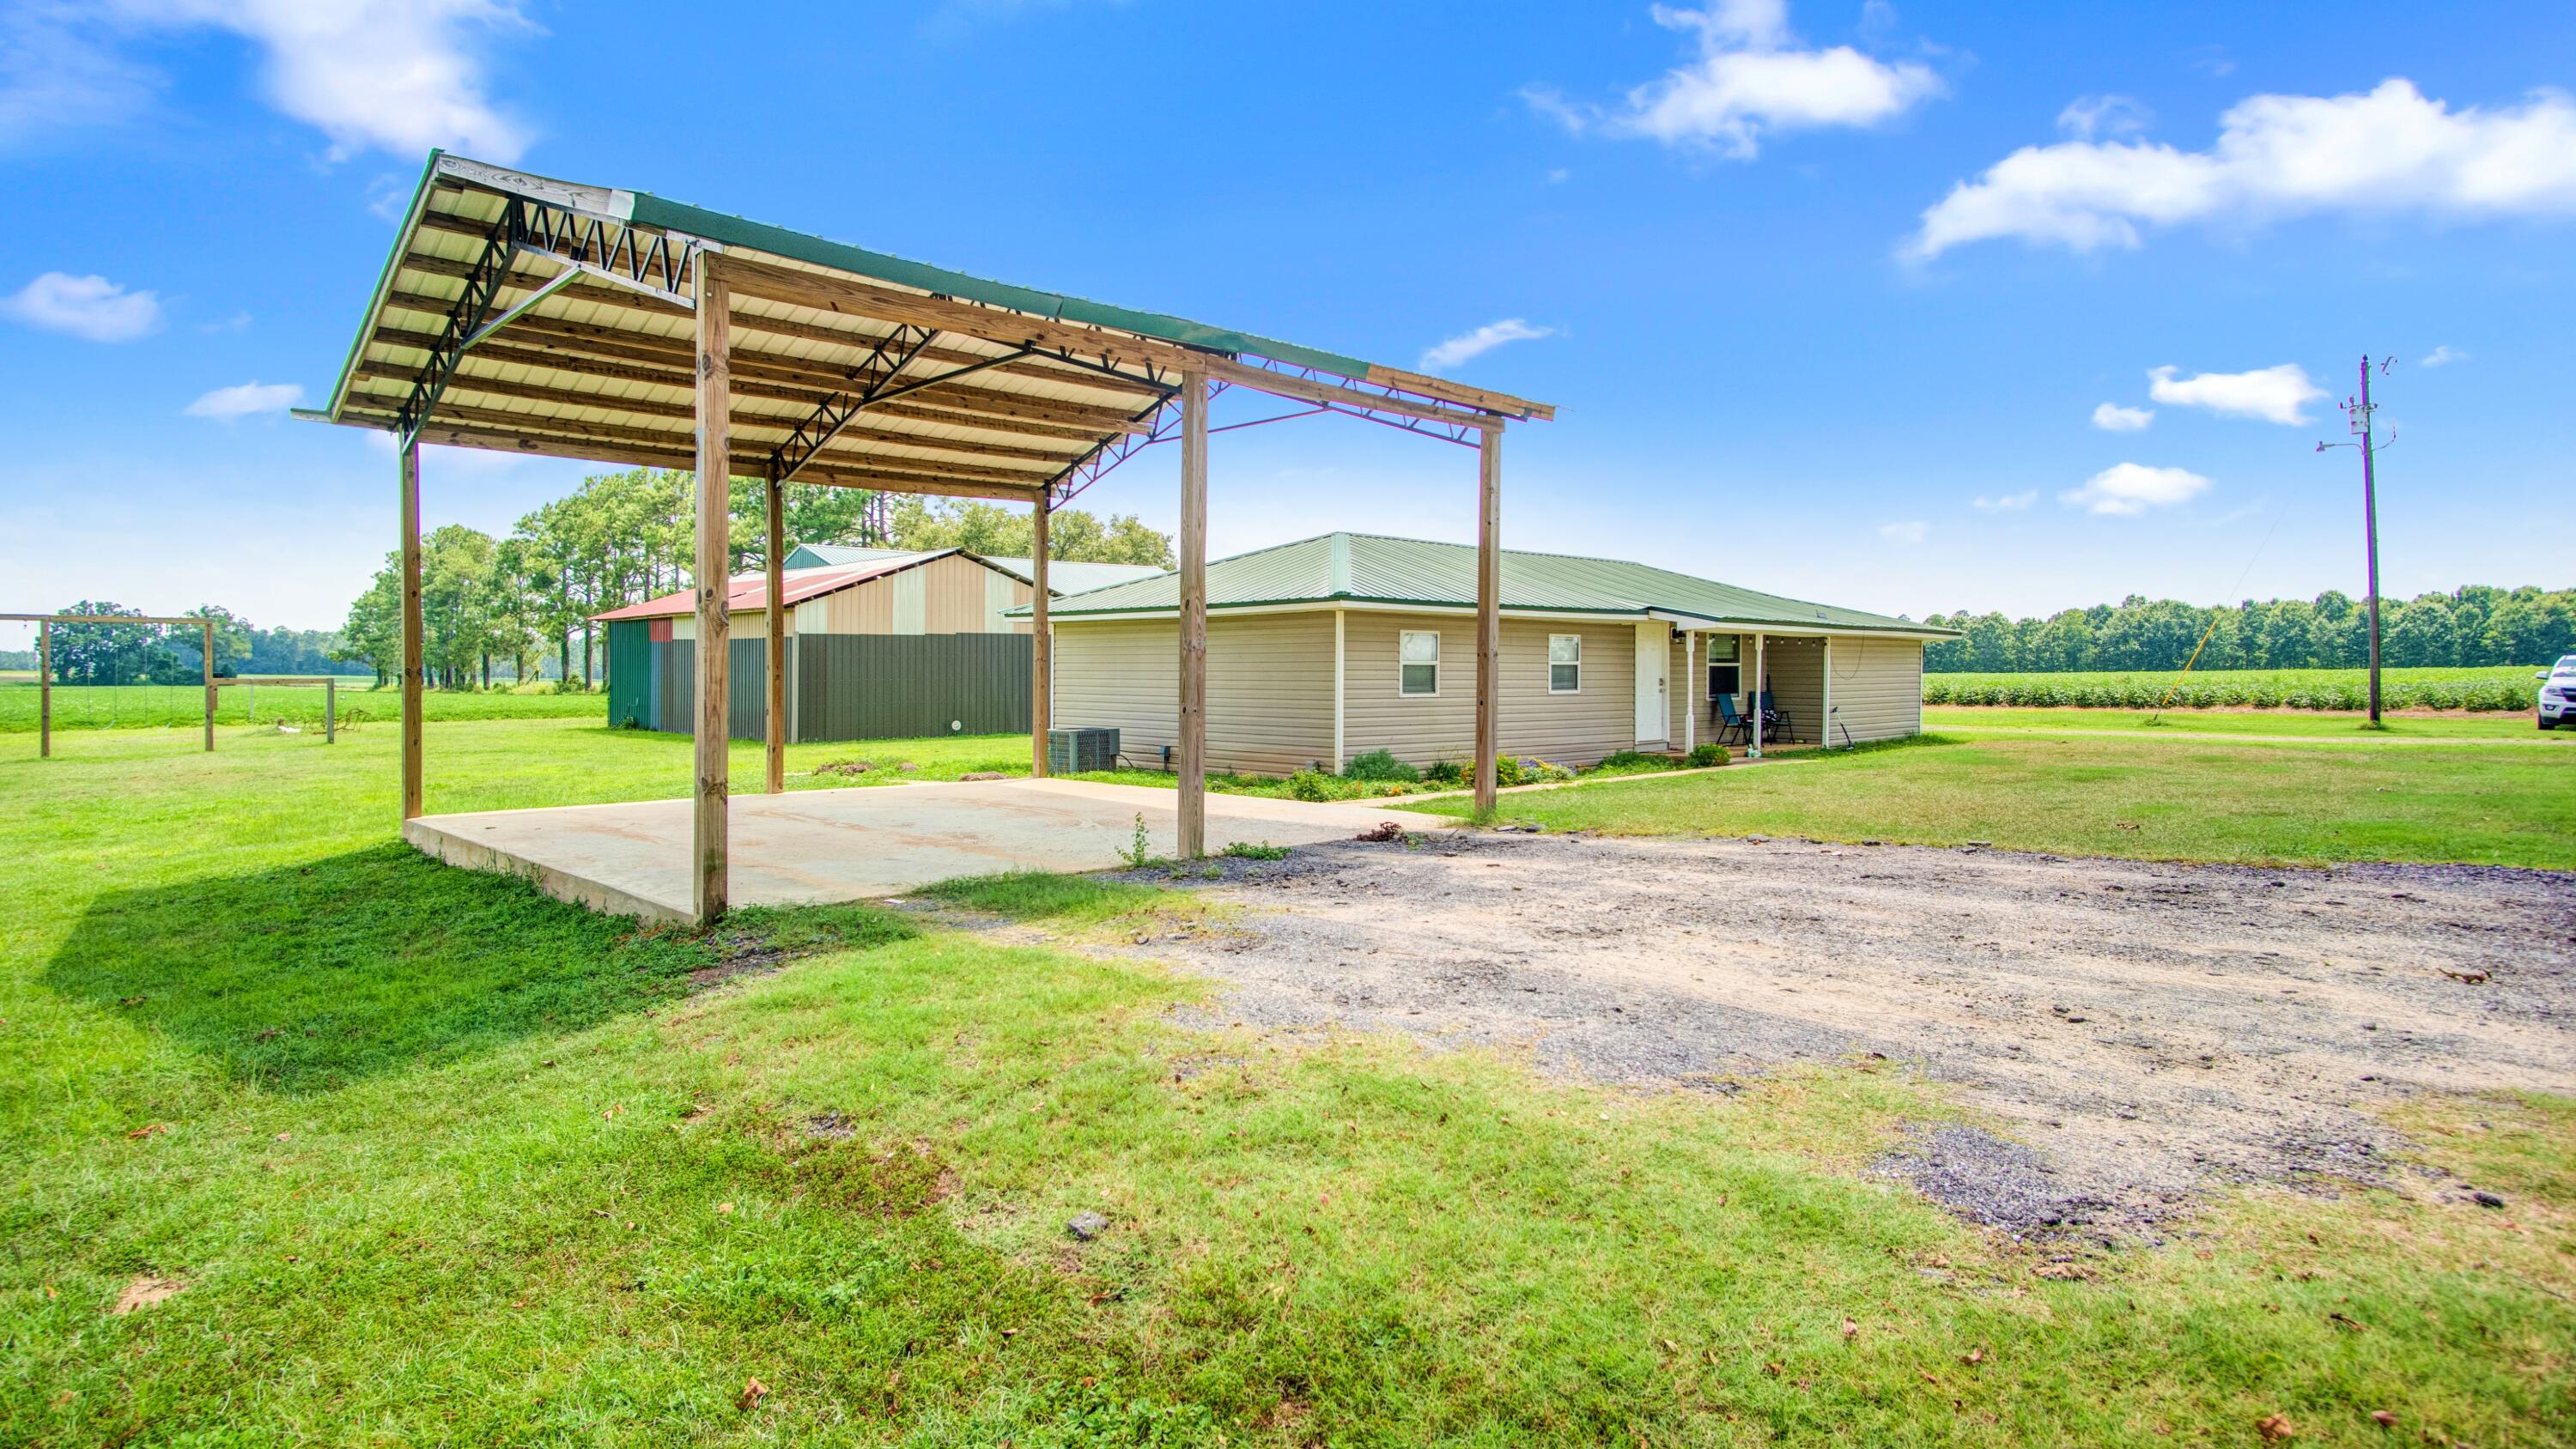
{"points": [[1041, 646], [44, 690], [206, 662], [777, 637], [1191, 757], [330, 710], [1489, 609], [411, 642], [714, 581]]}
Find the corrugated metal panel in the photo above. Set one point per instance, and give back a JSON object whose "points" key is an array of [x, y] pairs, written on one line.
{"points": [[895, 686], [630, 673], [1370, 568], [675, 685]]}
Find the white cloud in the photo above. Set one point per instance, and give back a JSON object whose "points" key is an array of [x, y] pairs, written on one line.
{"points": [[400, 75], [2113, 418], [2125, 490], [2391, 150], [1911, 531], [243, 399], [2086, 117], [1484, 339], [2444, 356], [1751, 78], [2273, 394], [58, 72], [2009, 502], [91, 307]]}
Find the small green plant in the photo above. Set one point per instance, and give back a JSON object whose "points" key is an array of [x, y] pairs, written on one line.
{"points": [[1310, 785], [1245, 850], [1140, 846], [1380, 765], [1703, 756], [1446, 772]]}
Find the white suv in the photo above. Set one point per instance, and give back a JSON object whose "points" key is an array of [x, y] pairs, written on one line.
{"points": [[2558, 694]]}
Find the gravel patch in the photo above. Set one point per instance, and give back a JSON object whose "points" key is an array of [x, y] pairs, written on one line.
{"points": [[2139, 1029]]}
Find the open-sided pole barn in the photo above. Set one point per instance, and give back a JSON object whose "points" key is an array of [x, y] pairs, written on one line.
{"points": [[537, 316]]}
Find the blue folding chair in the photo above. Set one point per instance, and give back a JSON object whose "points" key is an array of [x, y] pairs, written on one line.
{"points": [[1775, 720], [1733, 723]]}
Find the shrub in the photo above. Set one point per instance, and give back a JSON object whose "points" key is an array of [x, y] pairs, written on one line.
{"points": [[1703, 756], [1380, 765], [1446, 772], [1245, 850], [1310, 785], [1507, 771], [1540, 772]]}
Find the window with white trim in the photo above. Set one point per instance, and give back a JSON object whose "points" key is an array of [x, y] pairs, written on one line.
{"points": [[1564, 663], [1418, 656]]}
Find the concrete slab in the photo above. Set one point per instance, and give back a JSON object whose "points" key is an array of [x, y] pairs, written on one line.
{"points": [[811, 846]]}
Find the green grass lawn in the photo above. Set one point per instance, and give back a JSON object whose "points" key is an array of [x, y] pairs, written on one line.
{"points": [[2176, 723], [430, 1159], [2080, 792], [167, 706]]}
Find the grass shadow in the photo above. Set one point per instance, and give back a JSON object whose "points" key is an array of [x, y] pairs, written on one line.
{"points": [[308, 977]]}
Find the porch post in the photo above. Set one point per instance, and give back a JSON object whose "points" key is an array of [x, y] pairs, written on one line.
{"points": [[1753, 701], [1825, 740], [1191, 756], [45, 689], [1690, 712], [709, 876], [777, 701], [411, 644], [1489, 607], [1041, 646]]}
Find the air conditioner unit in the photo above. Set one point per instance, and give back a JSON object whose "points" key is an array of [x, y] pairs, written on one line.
{"points": [[1077, 751]]}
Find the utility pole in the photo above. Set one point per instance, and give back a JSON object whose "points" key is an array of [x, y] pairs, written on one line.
{"points": [[2358, 409]]}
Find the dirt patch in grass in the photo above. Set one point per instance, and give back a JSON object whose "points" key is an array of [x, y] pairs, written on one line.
{"points": [[2139, 1029]]}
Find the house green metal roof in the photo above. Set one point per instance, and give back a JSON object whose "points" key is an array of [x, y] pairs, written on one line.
{"points": [[1362, 568]]}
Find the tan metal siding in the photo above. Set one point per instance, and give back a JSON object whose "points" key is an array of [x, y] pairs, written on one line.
{"points": [[1270, 688], [1796, 670], [1878, 688], [1568, 729]]}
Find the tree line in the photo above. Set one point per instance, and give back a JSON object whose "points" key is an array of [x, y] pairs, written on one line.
{"points": [[502, 605], [95, 654], [2475, 625]]}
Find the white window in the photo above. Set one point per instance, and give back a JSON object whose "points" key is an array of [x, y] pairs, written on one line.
{"points": [[1419, 654], [1564, 663]]}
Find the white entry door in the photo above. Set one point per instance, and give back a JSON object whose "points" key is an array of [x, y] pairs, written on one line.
{"points": [[1654, 683]]}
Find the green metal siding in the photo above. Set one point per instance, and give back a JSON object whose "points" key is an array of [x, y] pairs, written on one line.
{"points": [[899, 686], [630, 672]]}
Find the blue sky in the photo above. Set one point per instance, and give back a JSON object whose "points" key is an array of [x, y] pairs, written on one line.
{"points": [[1829, 295]]}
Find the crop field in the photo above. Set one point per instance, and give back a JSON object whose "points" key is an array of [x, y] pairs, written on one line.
{"points": [[2481, 687], [169, 706]]}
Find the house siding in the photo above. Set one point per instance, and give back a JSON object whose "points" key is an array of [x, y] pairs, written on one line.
{"points": [[1796, 674], [1568, 729], [1269, 687], [1878, 688]]}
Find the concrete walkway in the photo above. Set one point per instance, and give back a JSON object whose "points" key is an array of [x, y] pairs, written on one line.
{"points": [[810, 846]]}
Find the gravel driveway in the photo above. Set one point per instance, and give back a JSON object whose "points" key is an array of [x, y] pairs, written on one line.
{"points": [[2140, 1029]]}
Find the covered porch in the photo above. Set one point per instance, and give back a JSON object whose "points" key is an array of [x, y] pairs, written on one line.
{"points": [[530, 315]]}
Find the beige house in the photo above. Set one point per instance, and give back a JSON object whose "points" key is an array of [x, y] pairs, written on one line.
{"points": [[1331, 647]]}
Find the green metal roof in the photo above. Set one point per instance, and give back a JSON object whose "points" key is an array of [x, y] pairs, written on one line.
{"points": [[717, 226], [1369, 568]]}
